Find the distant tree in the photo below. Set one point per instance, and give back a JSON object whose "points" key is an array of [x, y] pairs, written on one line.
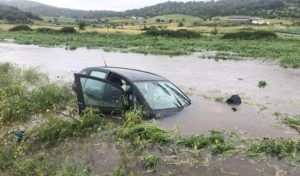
{"points": [[171, 21], [158, 20], [82, 25], [180, 24]]}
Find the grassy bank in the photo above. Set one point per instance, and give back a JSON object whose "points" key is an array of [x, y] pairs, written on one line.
{"points": [[284, 49]]}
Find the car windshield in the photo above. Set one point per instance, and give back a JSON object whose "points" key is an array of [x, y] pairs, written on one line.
{"points": [[162, 95]]}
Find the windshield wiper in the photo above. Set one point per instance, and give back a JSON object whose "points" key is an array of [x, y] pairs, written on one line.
{"points": [[179, 105], [176, 92]]}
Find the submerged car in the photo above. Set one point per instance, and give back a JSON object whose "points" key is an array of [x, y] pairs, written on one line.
{"points": [[114, 90]]}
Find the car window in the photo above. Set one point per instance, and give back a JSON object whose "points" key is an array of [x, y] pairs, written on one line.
{"points": [[162, 94], [101, 94], [98, 74]]}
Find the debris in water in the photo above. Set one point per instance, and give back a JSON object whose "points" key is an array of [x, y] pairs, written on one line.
{"points": [[234, 100]]}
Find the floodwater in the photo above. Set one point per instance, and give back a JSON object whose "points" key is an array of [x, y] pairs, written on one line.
{"points": [[199, 77]]}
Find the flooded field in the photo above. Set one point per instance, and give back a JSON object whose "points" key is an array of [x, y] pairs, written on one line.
{"points": [[202, 79]]}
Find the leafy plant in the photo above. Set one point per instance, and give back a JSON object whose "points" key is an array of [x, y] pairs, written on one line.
{"points": [[151, 161], [276, 147], [262, 84], [215, 141]]}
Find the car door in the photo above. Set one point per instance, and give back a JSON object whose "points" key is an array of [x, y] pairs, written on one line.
{"points": [[99, 93]]}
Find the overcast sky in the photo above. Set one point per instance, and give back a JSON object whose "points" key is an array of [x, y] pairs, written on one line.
{"points": [[118, 5]]}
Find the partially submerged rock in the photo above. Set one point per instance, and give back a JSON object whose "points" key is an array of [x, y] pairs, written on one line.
{"points": [[234, 100]]}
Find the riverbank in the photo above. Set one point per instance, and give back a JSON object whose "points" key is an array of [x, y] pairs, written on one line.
{"points": [[284, 49]]}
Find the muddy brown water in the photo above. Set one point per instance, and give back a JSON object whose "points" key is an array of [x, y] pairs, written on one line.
{"points": [[200, 78]]}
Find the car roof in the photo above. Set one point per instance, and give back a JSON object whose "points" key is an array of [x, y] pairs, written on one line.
{"points": [[131, 74]]}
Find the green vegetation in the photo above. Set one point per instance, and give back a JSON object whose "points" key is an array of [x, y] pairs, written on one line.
{"points": [[57, 129], [21, 27], [293, 122], [275, 147], [215, 141], [284, 49], [274, 8], [68, 30], [82, 25], [262, 84], [180, 33], [14, 15], [25, 92], [136, 131], [46, 30], [251, 35], [151, 161]]}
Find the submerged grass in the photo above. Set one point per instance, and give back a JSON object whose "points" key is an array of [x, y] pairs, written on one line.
{"points": [[283, 49], [279, 147], [216, 142], [293, 122]]}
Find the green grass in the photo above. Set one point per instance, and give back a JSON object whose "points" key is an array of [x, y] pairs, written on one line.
{"points": [[286, 50], [293, 122], [150, 161], [57, 129], [25, 92], [216, 142], [279, 147]]}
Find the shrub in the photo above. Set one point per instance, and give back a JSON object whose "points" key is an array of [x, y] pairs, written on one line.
{"points": [[46, 30], [56, 129], [262, 84], [67, 30], [251, 35], [21, 27], [25, 92], [82, 25], [134, 130], [181, 33], [51, 96]]}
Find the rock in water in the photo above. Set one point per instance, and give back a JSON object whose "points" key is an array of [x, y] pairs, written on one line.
{"points": [[234, 100]]}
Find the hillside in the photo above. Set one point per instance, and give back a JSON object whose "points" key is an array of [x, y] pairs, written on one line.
{"points": [[13, 14], [47, 10], [265, 8]]}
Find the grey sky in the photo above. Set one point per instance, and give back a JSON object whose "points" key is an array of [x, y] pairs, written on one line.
{"points": [[118, 5]]}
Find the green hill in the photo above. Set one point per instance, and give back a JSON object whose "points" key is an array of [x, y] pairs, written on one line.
{"points": [[13, 14], [204, 9]]}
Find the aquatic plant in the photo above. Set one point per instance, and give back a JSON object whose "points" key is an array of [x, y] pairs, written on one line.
{"points": [[276, 147], [293, 122], [215, 141], [262, 84]]}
